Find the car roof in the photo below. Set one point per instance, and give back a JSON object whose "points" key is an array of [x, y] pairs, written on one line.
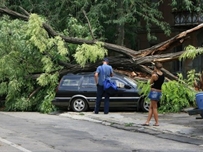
{"points": [[78, 74], [90, 74]]}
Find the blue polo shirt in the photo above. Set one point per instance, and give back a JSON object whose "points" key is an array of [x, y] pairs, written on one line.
{"points": [[104, 71]]}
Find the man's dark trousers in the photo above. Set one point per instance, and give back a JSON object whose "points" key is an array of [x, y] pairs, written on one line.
{"points": [[100, 93]]}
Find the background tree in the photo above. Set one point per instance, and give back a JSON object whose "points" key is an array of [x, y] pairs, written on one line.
{"points": [[187, 5], [113, 21]]}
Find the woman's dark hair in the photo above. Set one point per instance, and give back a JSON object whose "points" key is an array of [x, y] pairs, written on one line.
{"points": [[158, 65]]}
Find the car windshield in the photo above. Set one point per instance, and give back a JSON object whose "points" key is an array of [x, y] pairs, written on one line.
{"points": [[131, 81]]}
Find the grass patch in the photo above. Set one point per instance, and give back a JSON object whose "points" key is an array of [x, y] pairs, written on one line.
{"points": [[128, 124]]}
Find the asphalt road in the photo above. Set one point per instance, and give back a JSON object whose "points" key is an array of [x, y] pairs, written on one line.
{"points": [[35, 132]]}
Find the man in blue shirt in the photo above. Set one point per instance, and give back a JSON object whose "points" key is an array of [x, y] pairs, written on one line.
{"points": [[102, 72]]}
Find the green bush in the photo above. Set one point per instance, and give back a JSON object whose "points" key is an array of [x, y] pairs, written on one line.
{"points": [[176, 95]]}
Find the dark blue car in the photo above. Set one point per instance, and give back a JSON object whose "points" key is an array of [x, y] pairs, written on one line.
{"points": [[77, 92]]}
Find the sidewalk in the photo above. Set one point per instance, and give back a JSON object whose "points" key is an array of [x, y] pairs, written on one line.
{"points": [[187, 128]]}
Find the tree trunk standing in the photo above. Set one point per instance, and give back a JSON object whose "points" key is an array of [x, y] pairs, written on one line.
{"points": [[120, 35], [120, 26]]}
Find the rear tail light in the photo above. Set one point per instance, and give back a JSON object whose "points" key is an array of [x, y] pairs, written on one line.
{"points": [[58, 85], [57, 88]]}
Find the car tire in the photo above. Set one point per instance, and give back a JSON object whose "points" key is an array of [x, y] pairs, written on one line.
{"points": [[79, 105], [144, 104]]}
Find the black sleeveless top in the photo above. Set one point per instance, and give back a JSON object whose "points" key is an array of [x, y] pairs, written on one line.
{"points": [[158, 83]]}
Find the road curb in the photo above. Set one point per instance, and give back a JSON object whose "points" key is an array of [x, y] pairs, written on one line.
{"points": [[131, 124]]}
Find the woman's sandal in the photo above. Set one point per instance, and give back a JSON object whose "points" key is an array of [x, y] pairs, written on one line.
{"points": [[145, 124], [155, 124]]}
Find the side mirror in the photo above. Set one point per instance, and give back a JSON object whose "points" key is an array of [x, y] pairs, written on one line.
{"points": [[127, 86]]}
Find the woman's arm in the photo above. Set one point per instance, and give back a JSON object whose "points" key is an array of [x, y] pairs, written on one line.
{"points": [[154, 77]]}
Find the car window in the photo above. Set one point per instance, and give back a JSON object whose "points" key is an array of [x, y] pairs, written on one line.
{"points": [[88, 81], [131, 81], [119, 83], [70, 81]]}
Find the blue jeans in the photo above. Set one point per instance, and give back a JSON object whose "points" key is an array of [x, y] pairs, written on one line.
{"points": [[100, 93], [155, 95]]}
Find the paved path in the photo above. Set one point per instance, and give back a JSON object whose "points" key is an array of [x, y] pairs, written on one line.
{"points": [[187, 128]]}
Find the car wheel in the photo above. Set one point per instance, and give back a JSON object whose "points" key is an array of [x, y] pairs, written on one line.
{"points": [[145, 104], [79, 105]]}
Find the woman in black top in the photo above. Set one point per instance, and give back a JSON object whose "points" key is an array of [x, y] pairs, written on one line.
{"points": [[156, 81]]}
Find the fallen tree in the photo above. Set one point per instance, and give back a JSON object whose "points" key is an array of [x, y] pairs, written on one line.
{"points": [[128, 60], [34, 57]]}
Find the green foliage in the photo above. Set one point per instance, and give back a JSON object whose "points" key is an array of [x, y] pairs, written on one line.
{"points": [[84, 53], [176, 95], [3, 88], [152, 16], [187, 5], [46, 106], [26, 49], [48, 79], [180, 94], [144, 87], [20, 104], [3, 3], [106, 17], [39, 38], [128, 124], [192, 77], [190, 52], [76, 29]]}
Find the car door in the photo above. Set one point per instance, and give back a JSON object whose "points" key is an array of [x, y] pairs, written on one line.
{"points": [[88, 89], [68, 87], [126, 95]]}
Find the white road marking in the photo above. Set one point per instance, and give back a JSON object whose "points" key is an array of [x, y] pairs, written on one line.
{"points": [[14, 145]]}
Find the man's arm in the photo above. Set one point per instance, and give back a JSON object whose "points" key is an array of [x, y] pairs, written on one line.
{"points": [[111, 74], [96, 78]]}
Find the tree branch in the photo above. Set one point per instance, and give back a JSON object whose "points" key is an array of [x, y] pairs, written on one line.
{"points": [[131, 58], [90, 28]]}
